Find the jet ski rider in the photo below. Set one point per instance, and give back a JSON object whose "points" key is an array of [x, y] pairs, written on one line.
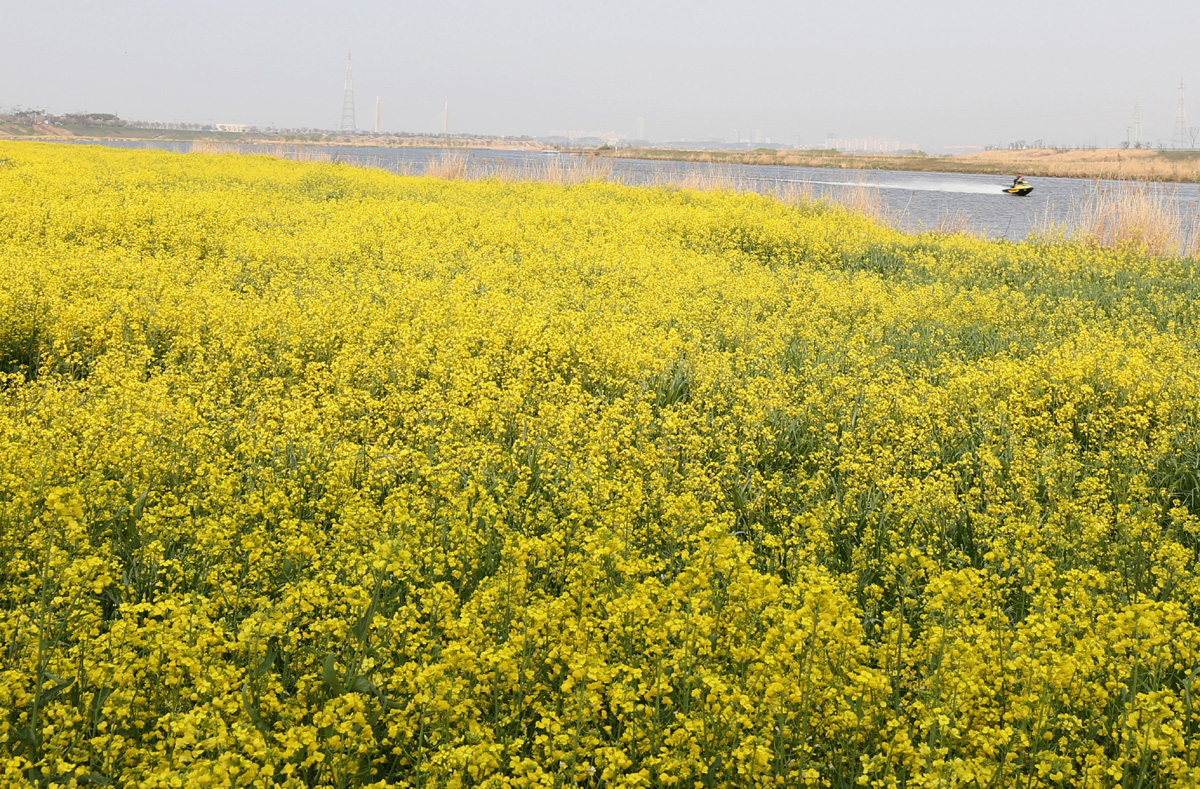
{"points": [[1019, 180]]}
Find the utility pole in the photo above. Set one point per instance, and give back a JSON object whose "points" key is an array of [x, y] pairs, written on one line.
{"points": [[348, 122], [446, 120], [377, 115], [1181, 134]]}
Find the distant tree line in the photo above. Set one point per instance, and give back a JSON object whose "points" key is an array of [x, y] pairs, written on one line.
{"points": [[19, 115], [97, 119], [1024, 145]]}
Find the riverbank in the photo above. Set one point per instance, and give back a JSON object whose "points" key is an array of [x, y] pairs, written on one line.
{"points": [[1108, 163], [1104, 163], [61, 133]]}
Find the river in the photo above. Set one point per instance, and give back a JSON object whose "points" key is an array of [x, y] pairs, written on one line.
{"points": [[914, 201]]}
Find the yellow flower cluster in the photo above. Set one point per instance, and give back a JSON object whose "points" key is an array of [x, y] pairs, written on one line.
{"points": [[319, 476]]}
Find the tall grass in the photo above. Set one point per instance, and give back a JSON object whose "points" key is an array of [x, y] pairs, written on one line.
{"points": [[460, 166], [575, 169], [794, 193], [954, 224], [867, 200], [1140, 217], [722, 178], [214, 147], [295, 153], [452, 165], [1107, 163]]}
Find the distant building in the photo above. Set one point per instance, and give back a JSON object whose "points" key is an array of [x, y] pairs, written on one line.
{"points": [[231, 127], [579, 137], [869, 145]]}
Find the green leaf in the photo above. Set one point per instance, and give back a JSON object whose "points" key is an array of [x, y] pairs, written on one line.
{"points": [[252, 710], [362, 625], [362, 685], [139, 505], [329, 675], [60, 684], [268, 660]]}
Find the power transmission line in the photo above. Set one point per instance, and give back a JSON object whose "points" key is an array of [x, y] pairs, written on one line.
{"points": [[348, 122]]}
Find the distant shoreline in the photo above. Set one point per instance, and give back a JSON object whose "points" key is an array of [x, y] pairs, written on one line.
{"points": [[1182, 166], [46, 133], [1104, 163]]}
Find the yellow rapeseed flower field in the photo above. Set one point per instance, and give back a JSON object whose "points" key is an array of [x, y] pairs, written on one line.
{"points": [[321, 476]]}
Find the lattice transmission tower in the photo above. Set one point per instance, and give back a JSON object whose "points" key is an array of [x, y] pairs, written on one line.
{"points": [[1181, 132], [348, 123], [1138, 142]]}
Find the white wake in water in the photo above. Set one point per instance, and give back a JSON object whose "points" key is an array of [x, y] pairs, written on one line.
{"points": [[920, 186]]}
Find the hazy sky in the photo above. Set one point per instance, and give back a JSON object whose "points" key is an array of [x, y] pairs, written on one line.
{"points": [[932, 72]]}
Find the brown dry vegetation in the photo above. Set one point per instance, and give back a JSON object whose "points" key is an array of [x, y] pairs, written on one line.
{"points": [[1139, 218], [27, 130], [295, 153], [1115, 163]]}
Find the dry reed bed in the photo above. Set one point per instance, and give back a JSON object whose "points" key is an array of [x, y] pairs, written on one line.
{"points": [[1107, 163], [295, 153], [1137, 217]]}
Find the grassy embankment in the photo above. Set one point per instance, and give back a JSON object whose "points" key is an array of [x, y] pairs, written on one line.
{"points": [[316, 476], [25, 131]]}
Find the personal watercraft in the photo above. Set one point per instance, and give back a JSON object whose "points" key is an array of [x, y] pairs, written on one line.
{"points": [[1019, 188]]}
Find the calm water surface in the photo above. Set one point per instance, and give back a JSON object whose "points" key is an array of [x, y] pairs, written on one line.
{"points": [[916, 201]]}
